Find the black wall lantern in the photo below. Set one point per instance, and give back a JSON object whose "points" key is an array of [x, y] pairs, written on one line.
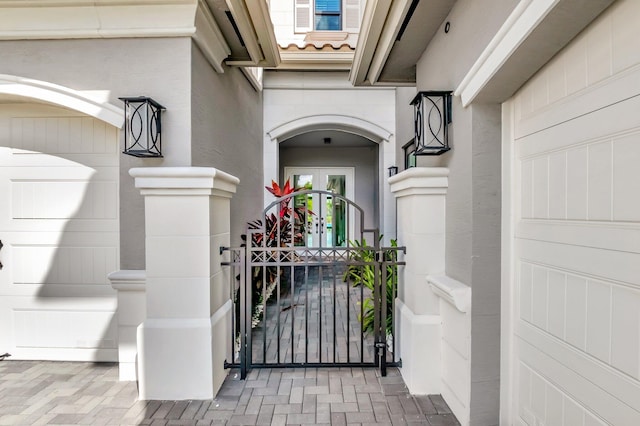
{"points": [[142, 127], [431, 118]]}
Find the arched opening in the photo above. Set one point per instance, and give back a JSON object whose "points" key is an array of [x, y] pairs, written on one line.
{"points": [[352, 143]]}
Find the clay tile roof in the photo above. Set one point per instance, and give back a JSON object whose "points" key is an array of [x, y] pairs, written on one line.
{"points": [[320, 46]]}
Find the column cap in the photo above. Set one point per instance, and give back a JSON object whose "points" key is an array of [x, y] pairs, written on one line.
{"points": [[183, 178], [128, 279], [420, 180], [456, 293]]}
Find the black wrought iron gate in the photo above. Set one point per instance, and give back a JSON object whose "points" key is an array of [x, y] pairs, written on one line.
{"points": [[298, 303]]}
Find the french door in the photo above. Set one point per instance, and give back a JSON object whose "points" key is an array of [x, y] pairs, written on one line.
{"points": [[328, 225]]}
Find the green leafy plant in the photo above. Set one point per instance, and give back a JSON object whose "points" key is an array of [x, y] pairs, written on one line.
{"points": [[363, 272]]}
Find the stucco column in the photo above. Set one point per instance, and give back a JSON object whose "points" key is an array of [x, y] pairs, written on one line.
{"points": [[185, 336], [420, 194]]}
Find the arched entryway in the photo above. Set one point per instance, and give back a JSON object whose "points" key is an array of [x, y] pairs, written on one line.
{"points": [[59, 222], [336, 144]]}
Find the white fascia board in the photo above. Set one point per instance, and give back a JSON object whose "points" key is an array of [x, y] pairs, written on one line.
{"points": [[519, 25], [373, 22], [253, 21], [209, 38], [396, 16], [243, 22], [96, 19], [259, 12]]}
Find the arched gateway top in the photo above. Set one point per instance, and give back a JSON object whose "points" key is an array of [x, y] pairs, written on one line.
{"points": [[61, 96], [344, 123]]}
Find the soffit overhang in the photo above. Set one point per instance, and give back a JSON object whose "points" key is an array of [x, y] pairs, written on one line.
{"points": [[238, 32], [393, 36], [534, 32]]}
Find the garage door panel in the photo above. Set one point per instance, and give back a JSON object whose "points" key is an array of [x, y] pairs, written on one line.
{"points": [[596, 181], [59, 328], [612, 121], [63, 265], [62, 135], [23, 158], [580, 103], [605, 235], [579, 376], [618, 266], [600, 318], [64, 199]]}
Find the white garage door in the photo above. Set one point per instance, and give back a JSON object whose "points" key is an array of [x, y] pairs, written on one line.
{"points": [[59, 226], [575, 197]]}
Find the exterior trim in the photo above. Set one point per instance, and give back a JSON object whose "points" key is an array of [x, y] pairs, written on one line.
{"points": [[104, 19], [254, 24], [523, 20], [454, 292], [209, 38], [61, 96], [373, 22], [330, 122]]}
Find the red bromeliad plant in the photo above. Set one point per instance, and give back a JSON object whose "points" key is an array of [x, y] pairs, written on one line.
{"points": [[277, 233], [278, 226]]}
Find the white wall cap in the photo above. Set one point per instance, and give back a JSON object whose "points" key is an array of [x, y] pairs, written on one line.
{"points": [[420, 180], [416, 318], [61, 96], [454, 292], [128, 279], [172, 178]]}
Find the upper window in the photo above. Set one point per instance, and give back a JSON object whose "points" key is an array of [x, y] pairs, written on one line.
{"points": [[327, 15]]}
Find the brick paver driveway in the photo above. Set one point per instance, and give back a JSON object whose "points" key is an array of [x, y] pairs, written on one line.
{"points": [[39, 393]]}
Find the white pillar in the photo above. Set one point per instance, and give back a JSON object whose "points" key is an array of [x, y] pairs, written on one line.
{"points": [[185, 337], [420, 194], [130, 285]]}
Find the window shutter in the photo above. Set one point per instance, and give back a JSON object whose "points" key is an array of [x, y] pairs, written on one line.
{"points": [[302, 16], [351, 16]]}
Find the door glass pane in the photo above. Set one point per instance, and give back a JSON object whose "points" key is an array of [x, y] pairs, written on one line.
{"points": [[305, 182], [336, 212]]}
